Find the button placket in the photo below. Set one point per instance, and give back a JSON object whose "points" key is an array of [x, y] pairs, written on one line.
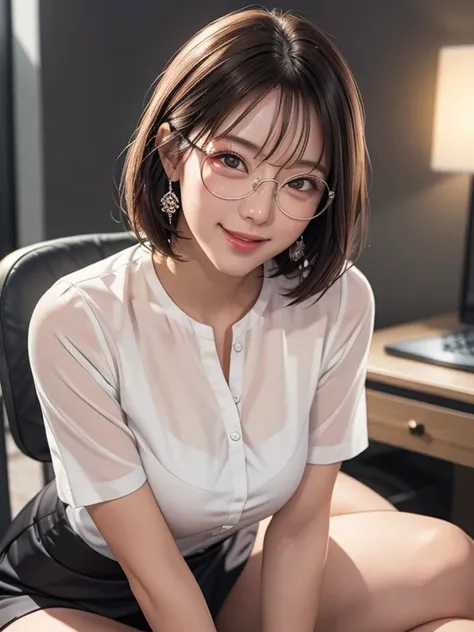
{"points": [[230, 414], [237, 363], [234, 434]]}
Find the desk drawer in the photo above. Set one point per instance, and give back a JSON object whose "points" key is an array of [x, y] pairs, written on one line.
{"points": [[413, 425]]}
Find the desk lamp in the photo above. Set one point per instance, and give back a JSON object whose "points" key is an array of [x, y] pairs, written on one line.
{"points": [[453, 152]]}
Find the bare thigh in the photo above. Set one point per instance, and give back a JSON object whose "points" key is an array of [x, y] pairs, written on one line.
{"points": [[66, 620], [386, 572], [350, 496]]}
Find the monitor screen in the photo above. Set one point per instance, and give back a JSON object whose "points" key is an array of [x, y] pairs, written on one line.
{"points": [[466, 312]]}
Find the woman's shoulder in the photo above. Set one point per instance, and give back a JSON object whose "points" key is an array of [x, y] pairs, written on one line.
{"points": [[354, 294], [91, 292], [348, 300]]}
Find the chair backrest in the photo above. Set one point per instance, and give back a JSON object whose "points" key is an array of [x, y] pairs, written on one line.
{"points": [[25, 275]]}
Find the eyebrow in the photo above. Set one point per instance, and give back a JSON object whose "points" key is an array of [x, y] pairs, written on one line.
{"points": [[300, 163]]}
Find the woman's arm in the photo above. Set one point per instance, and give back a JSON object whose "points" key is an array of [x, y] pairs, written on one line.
{"points": [[138, 536], [294, 554], [95, 457], [295, 547]]}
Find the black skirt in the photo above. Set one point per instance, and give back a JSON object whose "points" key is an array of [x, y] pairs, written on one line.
{"points": [[44, 564]]}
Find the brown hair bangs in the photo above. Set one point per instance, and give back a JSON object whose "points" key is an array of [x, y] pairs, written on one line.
{"points": [[242, 57]]}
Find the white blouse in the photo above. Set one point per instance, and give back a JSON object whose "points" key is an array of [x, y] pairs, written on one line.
{"points": [[132, 390]]}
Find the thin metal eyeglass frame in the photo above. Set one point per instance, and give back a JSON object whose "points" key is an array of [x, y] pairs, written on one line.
{"points": [[331, 194]]}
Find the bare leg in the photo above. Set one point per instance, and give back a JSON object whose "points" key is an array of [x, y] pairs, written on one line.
{"points": [[350, 496], [65, 620], [386, 572], [446, 625]]}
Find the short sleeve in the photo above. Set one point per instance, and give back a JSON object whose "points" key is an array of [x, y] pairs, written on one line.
{"points": [[338, 417], [94, 454]]}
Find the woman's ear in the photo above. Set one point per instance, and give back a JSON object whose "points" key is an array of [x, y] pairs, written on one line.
{"points": [[167, 147]]}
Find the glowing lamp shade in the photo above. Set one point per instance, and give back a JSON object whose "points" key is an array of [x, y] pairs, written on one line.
{"points": [[453, 135]]}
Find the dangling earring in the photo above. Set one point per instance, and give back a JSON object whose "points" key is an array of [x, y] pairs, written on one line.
{"points": [[170, 203], [296, 253]]}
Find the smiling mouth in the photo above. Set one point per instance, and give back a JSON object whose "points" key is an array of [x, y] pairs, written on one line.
{"points": [[242, 242], [244, 236]]}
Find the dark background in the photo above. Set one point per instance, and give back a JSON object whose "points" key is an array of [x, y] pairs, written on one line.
{"points": [[7, 185], [98, 59]]}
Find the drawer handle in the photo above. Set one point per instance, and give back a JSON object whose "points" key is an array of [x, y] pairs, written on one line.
{"points": [[416, 429]]}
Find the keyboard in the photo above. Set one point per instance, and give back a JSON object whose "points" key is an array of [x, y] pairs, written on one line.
{"points": [[459, 342], [454, 349]]}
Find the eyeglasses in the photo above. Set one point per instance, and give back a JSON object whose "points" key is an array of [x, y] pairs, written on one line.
{"points": [[224, 174]]}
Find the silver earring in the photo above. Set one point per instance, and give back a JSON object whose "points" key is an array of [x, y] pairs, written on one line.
{"points": [[170, 203], [296, 253], [297, 250]]}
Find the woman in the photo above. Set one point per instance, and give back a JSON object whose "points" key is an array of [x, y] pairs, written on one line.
{"points": [[201, 389]]}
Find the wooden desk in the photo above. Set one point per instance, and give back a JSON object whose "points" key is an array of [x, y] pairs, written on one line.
{"points": [[424, 408]]}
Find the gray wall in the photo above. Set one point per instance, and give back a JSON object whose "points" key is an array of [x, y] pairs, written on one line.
{"points": [[98, 58]]}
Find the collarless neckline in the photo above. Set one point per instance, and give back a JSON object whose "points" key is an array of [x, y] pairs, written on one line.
{"points": [[203, 330]]}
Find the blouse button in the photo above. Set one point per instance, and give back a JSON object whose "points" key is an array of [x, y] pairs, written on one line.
{"points": [[238, 347], [235, 436], [236, 399]]}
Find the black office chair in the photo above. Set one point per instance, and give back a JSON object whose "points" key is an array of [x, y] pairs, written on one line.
{"points": [[24, 277]]}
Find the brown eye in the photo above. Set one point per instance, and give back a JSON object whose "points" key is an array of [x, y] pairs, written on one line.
{"points": [[306, 184], [231, 160], [297, 184]]}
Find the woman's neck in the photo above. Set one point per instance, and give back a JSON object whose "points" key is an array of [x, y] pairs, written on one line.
{"points": [[204, 293]]}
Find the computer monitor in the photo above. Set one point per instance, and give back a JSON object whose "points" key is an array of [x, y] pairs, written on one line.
{"points": [[466, 307], [454, 349]]}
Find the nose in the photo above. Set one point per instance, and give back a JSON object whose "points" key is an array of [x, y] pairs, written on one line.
{"points": [[260, 206]]}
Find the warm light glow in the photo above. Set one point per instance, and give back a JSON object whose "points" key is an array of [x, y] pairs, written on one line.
{"points": [[453, 136]]}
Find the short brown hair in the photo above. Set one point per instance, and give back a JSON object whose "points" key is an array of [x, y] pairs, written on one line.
{"points": [[245, 55]]}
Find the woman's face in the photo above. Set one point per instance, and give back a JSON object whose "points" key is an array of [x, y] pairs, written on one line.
{"points": [[238, 236]]}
